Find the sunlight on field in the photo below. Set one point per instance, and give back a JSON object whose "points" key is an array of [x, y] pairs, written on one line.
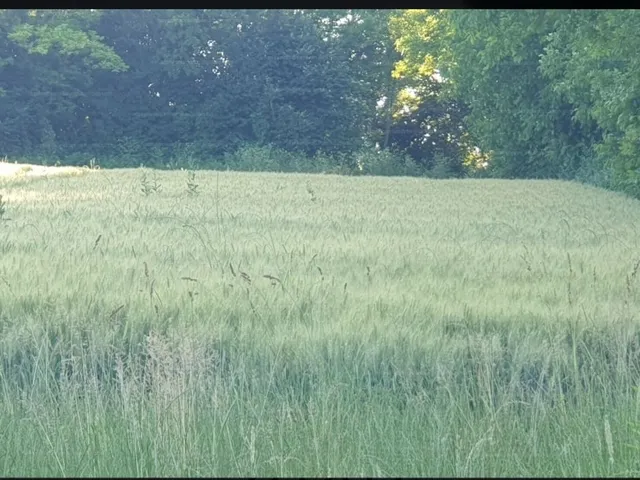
{"points": [[301, 290], [27, 170]]}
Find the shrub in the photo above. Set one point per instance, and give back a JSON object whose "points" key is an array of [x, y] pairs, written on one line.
{"points": [[386, 163], [446, 167]]}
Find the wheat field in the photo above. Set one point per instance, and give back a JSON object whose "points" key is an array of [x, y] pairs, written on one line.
{"points": [[259, 324]]}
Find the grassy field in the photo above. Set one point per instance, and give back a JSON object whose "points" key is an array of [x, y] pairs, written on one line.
{"points": [[225, 324]]}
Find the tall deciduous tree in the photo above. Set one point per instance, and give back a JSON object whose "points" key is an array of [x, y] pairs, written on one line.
{"points": [[44, 59], [427, 115], [515, 111], [591, 59]]}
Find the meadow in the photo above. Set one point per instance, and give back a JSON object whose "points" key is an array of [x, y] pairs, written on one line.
{"points": [[173, 323]]}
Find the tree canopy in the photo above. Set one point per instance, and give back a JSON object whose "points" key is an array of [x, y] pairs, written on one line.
{"points": [[508, 93]]}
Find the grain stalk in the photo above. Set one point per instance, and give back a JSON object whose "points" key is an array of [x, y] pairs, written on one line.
{"points": [[569, 289], [629, 283], [311, 192], [148, 186], [93, 164], [608, 438], [192, 186], [3, 208]]}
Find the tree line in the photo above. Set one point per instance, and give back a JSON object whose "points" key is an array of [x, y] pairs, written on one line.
{"points": [[505, 93]]}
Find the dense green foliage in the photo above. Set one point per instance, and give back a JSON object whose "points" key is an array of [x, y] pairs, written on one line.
{"points": [[551, 94], [156, 85], [534, 93]]}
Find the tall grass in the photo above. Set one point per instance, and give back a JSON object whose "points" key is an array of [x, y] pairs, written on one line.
{"points": [[286, 325]]}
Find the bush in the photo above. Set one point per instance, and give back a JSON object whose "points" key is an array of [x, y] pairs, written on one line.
{"points": [[264, 158], [339, 164], [446, 167], [386, 163], [593, 170], [267, 158]]}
